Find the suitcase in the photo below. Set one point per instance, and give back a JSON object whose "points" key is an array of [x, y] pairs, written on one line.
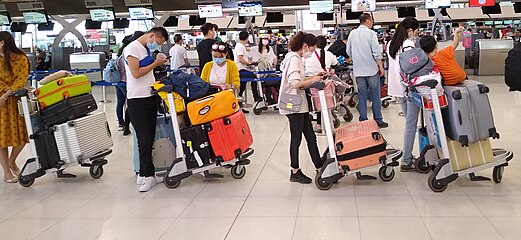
{"points": [[476, 154], [383, 90], [61, 89], [271, 93], [215, 106], [229, 137], [46, 149], [468, 117], [82, 139], [161, 149], [70, 109], [178, 100], [330, 96], [360, 145], [196, 146]]}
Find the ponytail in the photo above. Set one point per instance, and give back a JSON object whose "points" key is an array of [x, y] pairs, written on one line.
{"points": [[321, 43], [323, 58], [401, 35]]}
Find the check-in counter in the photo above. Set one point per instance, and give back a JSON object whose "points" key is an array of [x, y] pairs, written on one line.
{"points": [[458, 52], [89, 61], [491, 56]]}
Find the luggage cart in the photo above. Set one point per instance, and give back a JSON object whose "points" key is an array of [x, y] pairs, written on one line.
{"points": [[32, 168], [436, 155], [332, 171], [179, 169], [265, 104]]}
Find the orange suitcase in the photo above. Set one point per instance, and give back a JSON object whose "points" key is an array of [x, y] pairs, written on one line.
{"points": [[215, 106], [229, 137], [360, 145]]}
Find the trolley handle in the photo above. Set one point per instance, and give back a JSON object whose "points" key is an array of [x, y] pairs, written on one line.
{"points": [[166, 88]]}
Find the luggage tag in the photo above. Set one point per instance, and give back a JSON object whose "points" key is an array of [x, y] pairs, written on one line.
{"points": [[289, 105]]}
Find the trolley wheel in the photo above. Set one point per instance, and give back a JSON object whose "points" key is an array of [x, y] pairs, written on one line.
{"points": [[422, 166], [435, 185], [382, 172], [257, 111], [497, 173], [386, 103], [348, 117], [169, 183], [25, 181], [336, 121], [238, 171], [321, 184], [96, 171]]}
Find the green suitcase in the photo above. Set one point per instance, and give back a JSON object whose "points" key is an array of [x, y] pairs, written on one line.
{"points": [[61, 89]]}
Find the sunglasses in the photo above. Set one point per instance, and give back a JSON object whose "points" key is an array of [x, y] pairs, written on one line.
{"points": [[219, 48]]}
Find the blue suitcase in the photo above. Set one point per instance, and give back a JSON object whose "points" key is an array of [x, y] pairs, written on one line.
{"points": [[162, 148]]}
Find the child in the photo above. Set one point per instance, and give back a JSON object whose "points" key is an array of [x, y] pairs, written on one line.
{"points": [[445, 60]]}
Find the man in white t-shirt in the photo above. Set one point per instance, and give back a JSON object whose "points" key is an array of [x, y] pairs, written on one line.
{"points": [[243, 62], [178, 55], [142, 105]]}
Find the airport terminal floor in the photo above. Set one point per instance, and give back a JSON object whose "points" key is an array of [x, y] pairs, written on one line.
{"points": [[265, 204]]}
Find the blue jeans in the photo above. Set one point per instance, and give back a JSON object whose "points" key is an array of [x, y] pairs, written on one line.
{"points": [[411, 113], [369, 89], [121, 95]]}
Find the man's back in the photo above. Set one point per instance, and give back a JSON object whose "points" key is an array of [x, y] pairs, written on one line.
{"points": [[178, 55], [204, 50], [363, 47]]}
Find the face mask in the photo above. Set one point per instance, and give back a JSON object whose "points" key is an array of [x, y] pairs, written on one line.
{"points": [[152, 46], [265, 42], [219, 61]]}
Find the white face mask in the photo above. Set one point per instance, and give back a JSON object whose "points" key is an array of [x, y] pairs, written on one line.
{"points": [[265, 42], [307, 55]]}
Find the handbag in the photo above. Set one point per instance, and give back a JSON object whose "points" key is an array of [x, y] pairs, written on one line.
{"points": [[289, 102]]}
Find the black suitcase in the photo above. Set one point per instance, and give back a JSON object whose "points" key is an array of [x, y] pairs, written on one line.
{"points": [[195, 140], [70, 109], [46, 149]]}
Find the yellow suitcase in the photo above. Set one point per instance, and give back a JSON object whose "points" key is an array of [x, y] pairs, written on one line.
{"points": [[474, 155], [215, 106]]}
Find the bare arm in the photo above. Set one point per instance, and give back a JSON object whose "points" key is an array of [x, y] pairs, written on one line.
{"points": [[243, 60], [455, 41], [138, 72]]}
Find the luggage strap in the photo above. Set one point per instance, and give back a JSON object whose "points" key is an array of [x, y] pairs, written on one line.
{"points": [[363, 152]]}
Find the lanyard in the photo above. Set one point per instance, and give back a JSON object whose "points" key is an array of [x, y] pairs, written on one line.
{"points": [[319, 60]]}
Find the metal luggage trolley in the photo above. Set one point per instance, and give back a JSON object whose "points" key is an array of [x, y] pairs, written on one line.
{"points": [[271, 77], [179, 169], [332, 171], [436, 155]]}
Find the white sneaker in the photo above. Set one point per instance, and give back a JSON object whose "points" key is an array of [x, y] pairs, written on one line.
{"points": [[148, 184], [140, 180]]}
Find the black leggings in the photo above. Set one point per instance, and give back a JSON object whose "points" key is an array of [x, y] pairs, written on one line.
{"points": [[143, 115], [300, 123]]}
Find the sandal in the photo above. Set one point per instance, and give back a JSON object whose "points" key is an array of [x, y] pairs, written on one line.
{"points": [[12, 180]]}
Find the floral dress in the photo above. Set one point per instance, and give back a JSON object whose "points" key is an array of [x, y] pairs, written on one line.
{"points": [[12, 126]]}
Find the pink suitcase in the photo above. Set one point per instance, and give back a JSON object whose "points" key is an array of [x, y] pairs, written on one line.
{"points": [[360, 145], [330, 96]]}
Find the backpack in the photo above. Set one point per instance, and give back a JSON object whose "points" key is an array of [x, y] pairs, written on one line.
{"points": [[513, 69], [415, 63], [111, 72], [189, 86]]}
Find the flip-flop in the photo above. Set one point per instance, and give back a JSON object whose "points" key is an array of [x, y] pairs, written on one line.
{"points": [[12, 180]]}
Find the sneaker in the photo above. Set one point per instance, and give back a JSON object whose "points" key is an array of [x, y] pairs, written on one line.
{"points": [[245, 111], [126, 132], [140, 180], [383, 125], [407, 167], [148, 183], [299, 177], [121, 128]]}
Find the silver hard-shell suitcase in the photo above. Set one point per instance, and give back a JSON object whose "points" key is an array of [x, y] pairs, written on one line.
{"points": [[468, 117], [84, 138]]}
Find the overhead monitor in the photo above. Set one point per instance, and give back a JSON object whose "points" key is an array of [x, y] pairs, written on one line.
{"points": [[141, 13], [5, 19], [517, 22], [211, 11], [172, 21], [274, 17], [517, 7], [479, 24], [196, 21], [325, 16], [89, 24], [363, 5], [443, 12], [489, 23], [18, 27], [248, 9], [242, 20], [35, 17], [430, 4], [498, 22], [48, 26], [321, 6], [121, 23], [353, 15], [404, 12], [496, 9], [102, 14], [481, 3], [507, 22]]}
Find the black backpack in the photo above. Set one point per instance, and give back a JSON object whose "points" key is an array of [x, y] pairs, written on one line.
{"points": [[513, 69]]}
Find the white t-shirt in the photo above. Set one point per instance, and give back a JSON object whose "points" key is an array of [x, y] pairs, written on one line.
{"points": [[140, 87], [218, 75], [240, 50], [256, 55], [178, 55], [313, 66], [396, 88]]}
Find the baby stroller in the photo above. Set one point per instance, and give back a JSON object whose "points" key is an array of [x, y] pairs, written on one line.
{"points": [[335, 91], [384, 97], [269, 89]]}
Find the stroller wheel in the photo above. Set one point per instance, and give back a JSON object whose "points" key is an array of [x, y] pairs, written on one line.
{"points": [[257, 111], [336, 121], [386, 103], [348, 117]]}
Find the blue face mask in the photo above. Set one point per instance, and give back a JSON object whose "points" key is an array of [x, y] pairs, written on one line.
{"points": [[152, 46], [219, 60]]}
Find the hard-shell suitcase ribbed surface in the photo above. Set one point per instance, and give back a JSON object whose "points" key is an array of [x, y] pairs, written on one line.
{"points": [[230, 136], [61, 89], [81, 139], [476, 154], [69, 109]]}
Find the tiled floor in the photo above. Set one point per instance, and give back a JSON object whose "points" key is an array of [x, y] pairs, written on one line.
{"points": [[265, 205]]}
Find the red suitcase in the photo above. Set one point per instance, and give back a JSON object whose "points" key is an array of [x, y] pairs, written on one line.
{"points": [[229, 137]]}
